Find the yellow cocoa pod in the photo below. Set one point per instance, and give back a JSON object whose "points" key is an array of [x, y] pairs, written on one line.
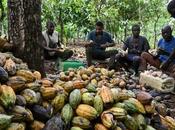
{"points": [[10, 66], [7, 97], [27, 74], [17, 126], [78, 84], [81, 122], [17, 83], [138, 105], [58, 102], [108, 119], [37, 125], [100, 127], [37, 75], [86, 111], [48, 92], [106, 95]]}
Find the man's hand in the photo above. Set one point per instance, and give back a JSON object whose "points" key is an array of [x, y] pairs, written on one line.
{"points": [[122, 52], [7, 46], [60, 49], [155, 56], [88, 43], [55, 49], [164, 65], [104, 46], [170, 59], [160, 51], [52, 53], [134, 51]]}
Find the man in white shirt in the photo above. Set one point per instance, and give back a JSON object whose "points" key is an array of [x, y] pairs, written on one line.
{"points": [[52, 47]]}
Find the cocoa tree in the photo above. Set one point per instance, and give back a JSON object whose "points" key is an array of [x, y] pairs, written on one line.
{"points": [[25, 32], [14, 28], [2, 15]]}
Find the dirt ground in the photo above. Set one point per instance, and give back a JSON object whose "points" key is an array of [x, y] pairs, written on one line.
{"points": [[166, 101]]}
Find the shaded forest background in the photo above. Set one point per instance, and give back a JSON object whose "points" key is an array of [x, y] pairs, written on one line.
{"points": [[75, 18]]}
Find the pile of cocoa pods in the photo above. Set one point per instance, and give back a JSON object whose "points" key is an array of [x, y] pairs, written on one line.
{"points": [[86, 98]]}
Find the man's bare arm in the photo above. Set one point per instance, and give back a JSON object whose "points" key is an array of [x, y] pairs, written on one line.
{"points": [[165, 64]]}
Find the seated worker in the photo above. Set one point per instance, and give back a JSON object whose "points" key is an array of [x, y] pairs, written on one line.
{"points": [[171, 8], [135, 45], [99, 40], [165, 53], [52, 49]]}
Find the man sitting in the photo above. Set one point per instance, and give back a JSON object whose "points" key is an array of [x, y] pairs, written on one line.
{"points": [[165, 53], [99, 40], [171, 8], [52, 47], [135, 45]]}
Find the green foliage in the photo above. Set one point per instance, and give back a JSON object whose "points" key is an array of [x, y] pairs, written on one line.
{"points": [[75, 18], [3, 15]]}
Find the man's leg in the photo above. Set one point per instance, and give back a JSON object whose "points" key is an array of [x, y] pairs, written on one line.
{"points": [[112, 64], [66, 54], [61, 56], [102, 55], [136, 62], [148, 58], [171, 70], [121, 61], [89, 56], [46, 55], [98, 54], [109, 54]]}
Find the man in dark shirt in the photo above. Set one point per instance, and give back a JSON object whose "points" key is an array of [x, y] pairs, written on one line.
{"points": [[171, 8], [98, 41], [135, 45]]}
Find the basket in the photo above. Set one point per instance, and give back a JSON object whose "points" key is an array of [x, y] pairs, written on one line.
{"points": [[65, 65]]}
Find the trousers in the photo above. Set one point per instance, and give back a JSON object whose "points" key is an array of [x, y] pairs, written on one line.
{"points": [[147, 58], [130, 60], [98, 54], [66, 54]]}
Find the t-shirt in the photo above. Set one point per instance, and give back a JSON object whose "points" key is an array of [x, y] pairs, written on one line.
{"points": [[140, 44], [168, 47], [53, 38], [100, 39]]}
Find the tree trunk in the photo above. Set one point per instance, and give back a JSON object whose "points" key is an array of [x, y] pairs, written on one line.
{"points": [[25, 32], [78, 34], [125, 29], [155, 30], [61, 26], [34, 53], [14, 28], [1, 17], [1, 31]]}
